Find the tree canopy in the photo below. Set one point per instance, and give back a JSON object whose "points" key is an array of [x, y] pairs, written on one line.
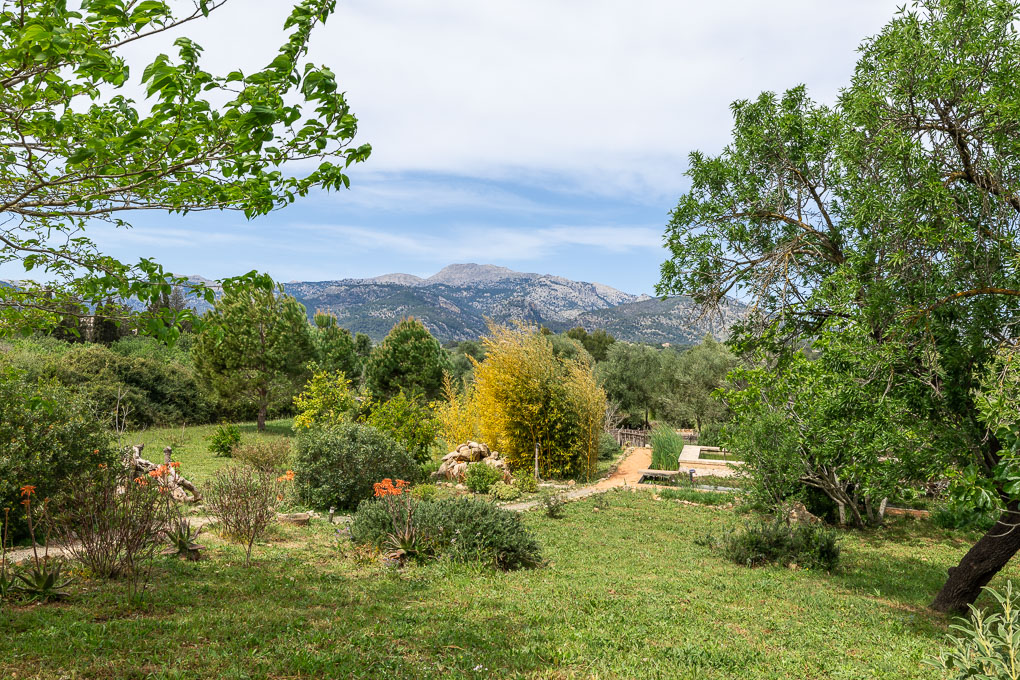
{"points": [[408, 359], [889, 218], [76, 149], [255, 344]]}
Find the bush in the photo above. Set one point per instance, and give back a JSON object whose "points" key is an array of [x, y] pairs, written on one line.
{"points": [[112, 525], [224, 439], [988, 646], [326, 400], [50, 435], [956, 515], [338, 466], [525, 482], [428, 468], [807, 545], [502, 491], [264, 454], [243, 500], [711, 434], [408, 420], [526, 395], [553, 504], [461, 529], [666, 448], [479, 477], [608, 448]]}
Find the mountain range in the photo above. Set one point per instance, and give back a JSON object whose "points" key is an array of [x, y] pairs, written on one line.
{"points": [[455, 303]]}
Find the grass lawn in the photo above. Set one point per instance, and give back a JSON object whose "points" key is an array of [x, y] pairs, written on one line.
{"points": [[626, 594], [191, 445]]}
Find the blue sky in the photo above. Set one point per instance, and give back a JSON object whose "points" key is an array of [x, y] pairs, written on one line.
{"points": [[541, 135]]}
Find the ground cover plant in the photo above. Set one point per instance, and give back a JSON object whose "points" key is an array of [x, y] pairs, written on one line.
{"points": [[626, 592]]}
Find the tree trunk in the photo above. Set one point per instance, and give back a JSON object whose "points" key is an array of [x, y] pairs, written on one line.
{"points": [[263, 405], [981, 563]]}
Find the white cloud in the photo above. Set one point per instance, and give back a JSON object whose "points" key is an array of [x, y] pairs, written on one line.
{"points": [[477, 244], [607, 96]]}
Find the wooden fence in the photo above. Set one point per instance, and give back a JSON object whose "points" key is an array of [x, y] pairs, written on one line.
{"points": [[625, 437]]}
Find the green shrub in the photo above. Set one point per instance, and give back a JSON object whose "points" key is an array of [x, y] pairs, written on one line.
{"points": [[608, 448], [807, 545], [711, 435], [502, 491], [223, 440], [425, 491], [154, 391], [666, 448], [956, 515], [988, 645], [49, 434], [407, 419], [525, 482], [553, 504], [479, 477], [426, 469], [461, 529], [338, 466], [266, 454]]}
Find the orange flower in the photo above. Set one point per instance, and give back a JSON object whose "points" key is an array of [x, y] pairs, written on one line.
{"points": [[102, 466], [288, 477], [142, 481], [175, 465], [27, 490], [387, 488], [95, 451]]}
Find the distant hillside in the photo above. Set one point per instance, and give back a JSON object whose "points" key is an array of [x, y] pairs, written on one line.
{"points": [[455, 303]]}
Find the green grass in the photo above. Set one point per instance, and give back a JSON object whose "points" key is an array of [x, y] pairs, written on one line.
{"points": [[627, 593], [695, 496], [191, 446], [711, 455]]}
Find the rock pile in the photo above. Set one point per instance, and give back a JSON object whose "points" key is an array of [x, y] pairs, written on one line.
{"points": [[455, 462]]}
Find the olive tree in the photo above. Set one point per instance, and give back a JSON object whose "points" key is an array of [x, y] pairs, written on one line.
{"points": [[896, 210]]}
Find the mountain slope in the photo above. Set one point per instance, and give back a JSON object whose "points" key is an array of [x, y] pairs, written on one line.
{"points": [[455, 303]]}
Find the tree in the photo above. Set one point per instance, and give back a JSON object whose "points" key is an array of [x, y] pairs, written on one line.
{"points": [[334, 347], [689, 381], [256, 344], [597, 342], [407, 359], [363, 346], [632, 378], [76, 149], [462, 357], [896, 212]]}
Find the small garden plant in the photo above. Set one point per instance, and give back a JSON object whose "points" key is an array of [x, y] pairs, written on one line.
{"points": [[224, 439], [480, 477]]}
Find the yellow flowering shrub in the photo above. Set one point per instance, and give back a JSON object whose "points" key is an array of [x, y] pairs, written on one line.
{"points": [[524, 395]]}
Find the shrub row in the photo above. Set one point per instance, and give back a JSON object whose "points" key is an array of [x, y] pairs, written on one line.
{"points": [[461, 529]]}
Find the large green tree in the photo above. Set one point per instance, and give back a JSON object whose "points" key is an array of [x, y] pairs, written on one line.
{"points": [[334, 347], [689, 380], [896, 212], [255, 344], [408, 359], [75, 148], [631, 375]]}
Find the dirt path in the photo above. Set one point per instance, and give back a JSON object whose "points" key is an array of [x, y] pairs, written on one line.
{"points": [[628, 473]]}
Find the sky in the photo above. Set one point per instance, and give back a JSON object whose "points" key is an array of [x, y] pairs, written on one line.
{"points": [[547, 136]]}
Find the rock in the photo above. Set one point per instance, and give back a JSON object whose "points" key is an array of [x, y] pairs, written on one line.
{"points": [[298, 519], [458, 470], [796, 512]]}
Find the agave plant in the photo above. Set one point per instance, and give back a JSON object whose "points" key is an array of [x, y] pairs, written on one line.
{"points": [[43, 581], [182, 540]]}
